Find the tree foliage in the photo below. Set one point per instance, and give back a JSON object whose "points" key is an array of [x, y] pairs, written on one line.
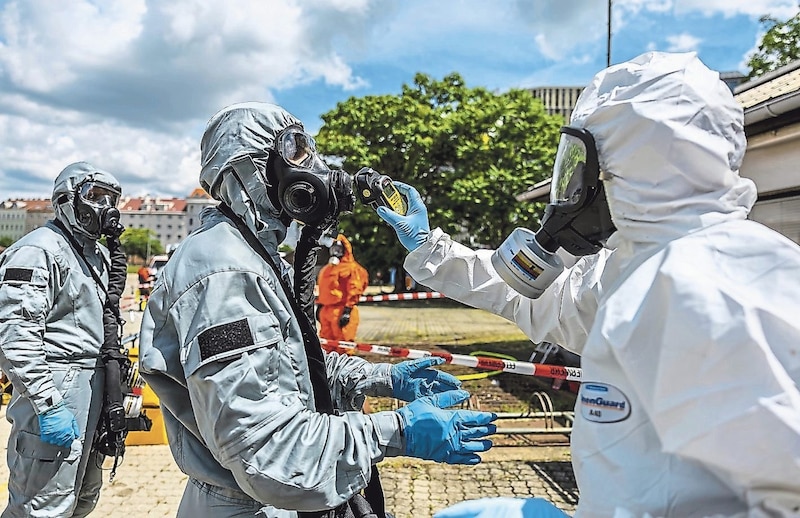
{"points": [[141, 242], [468, 151], [779, 46]]}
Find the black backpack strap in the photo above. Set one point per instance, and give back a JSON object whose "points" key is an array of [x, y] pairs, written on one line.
{"points": [[373, 493]]}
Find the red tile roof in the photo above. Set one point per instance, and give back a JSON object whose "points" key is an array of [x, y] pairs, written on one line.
{"points": [[148, 204], [199, 193], [34, 205]]}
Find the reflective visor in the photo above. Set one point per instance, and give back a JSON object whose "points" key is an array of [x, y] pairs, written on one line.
{"points": [[296, 147], [567, 186], [98, 195]]}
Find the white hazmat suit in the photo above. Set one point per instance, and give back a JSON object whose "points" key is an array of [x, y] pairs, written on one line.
{"points": [[687, 323]]}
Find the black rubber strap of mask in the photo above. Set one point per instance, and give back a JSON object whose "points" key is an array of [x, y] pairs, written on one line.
{"points": [[316, 364]]}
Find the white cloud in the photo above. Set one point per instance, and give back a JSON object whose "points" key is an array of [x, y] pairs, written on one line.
{"points": [[142, 160], [682, 43], [728, 8], [83, 34], [128, 83], [561, 26], [781, 9], [131, 83]]}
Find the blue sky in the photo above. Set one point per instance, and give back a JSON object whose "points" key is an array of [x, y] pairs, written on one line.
{"points": [[129, 84]]}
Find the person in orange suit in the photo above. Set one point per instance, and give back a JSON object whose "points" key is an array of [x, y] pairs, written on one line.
{"points": [[341, 282]]}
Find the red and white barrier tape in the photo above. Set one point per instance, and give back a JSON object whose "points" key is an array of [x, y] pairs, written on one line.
{"points": [[477, 362], [402, 296]]}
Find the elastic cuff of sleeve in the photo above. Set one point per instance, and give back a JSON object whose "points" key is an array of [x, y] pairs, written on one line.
{"points": [[428, 243], [44, 401], [378, 382], [389, 427]]}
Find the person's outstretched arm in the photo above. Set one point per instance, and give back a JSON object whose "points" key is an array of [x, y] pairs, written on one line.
{"points": [[562, 315]]}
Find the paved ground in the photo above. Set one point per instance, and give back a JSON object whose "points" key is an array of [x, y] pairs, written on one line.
{"points": [[150, 484]]}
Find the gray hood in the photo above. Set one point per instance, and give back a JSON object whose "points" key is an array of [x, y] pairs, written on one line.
{"points": [[235, 131], [670, 139]]}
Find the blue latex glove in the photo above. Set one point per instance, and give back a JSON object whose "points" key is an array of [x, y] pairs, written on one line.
{"points": [[413, 228], [451, 436], [58, 426], [504, 506], [414, 379]]}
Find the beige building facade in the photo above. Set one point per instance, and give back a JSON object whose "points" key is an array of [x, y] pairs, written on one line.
{"points": [[558, 100], [169, 219], [772, 123]]}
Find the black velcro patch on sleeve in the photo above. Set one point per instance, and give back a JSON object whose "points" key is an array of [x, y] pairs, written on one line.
{"points": [[226, 337], [18, 274]]}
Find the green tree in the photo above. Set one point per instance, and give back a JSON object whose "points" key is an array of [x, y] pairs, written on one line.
{"points": [[6, 241], [468, 151], [141, 242], [779, 46]]}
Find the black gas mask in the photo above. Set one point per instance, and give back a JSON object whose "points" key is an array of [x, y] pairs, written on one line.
{"points": [[308, 190], [577, 219], [336, 249], [96, 209]]}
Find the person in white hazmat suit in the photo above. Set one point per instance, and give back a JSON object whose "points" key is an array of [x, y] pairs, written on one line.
{"points": [[686, 321], [51, 333], [222, 345]]}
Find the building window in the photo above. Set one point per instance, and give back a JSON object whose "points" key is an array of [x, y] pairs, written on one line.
{"points": [[781, 215]]}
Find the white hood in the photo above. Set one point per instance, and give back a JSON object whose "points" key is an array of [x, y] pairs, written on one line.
{"points": [[670, 139]]}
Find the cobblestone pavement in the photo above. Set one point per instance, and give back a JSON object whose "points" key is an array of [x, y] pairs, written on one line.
{"points": [[149, 483]]}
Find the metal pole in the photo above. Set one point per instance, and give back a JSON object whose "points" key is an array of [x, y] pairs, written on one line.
{"points": [[608, 41]]}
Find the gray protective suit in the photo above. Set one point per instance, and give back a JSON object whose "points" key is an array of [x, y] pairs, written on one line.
{"points": [[222, 349], [51, 330], [688, 329]]}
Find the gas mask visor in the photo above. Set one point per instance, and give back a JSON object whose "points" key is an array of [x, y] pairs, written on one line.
{"points": [[575, 166], [296, 147], [96, 208], [308, 190]]}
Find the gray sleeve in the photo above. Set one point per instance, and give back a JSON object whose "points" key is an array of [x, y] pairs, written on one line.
{"points": [[251, 412], [352, 378], [26, 298]]}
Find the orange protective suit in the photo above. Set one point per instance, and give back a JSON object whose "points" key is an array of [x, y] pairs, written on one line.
{"points": [[340, 286]]}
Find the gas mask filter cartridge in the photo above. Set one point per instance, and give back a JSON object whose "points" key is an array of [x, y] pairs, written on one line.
{"points": [[524, 265]]}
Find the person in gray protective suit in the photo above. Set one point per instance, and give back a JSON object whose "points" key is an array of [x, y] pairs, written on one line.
{"points": [[51, 331], [223, 345]]}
